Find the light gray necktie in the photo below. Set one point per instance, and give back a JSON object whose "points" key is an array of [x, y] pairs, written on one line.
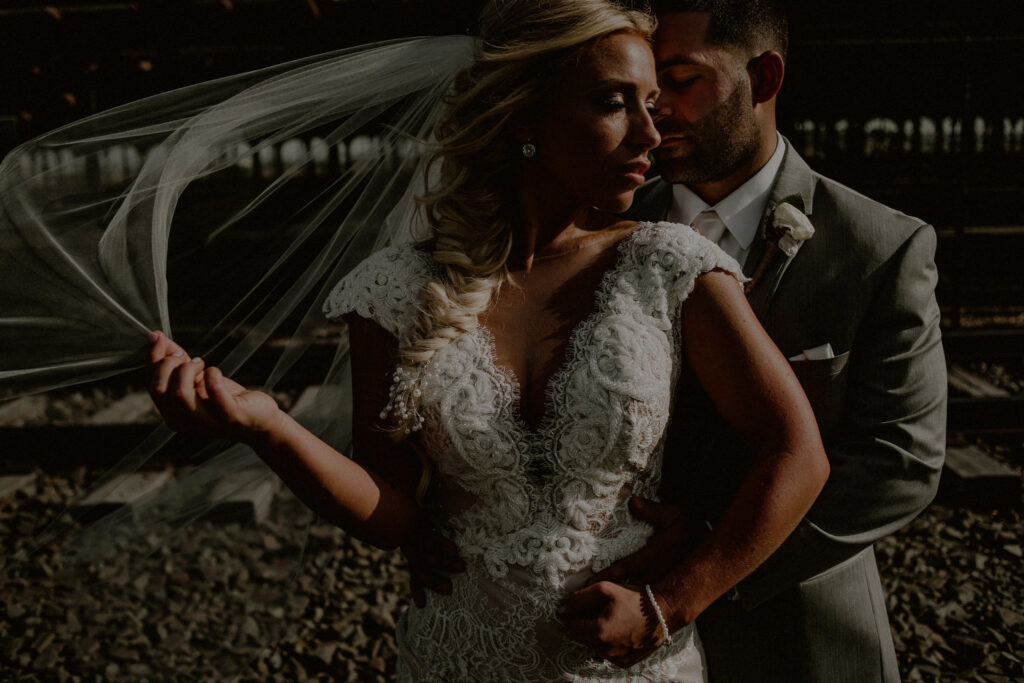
{"points": [[709, 224]]}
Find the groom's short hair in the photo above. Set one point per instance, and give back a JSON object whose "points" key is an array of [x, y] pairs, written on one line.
{"points": [[757, 24]]}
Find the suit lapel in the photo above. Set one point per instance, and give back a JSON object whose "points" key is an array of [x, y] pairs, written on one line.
{"points": [[795, 178]]}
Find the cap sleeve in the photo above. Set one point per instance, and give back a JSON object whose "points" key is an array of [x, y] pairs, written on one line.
{"points": [[670, 257], [383, 288]]}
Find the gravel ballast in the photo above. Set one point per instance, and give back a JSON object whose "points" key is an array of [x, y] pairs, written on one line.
{"points": [[296, 599]]}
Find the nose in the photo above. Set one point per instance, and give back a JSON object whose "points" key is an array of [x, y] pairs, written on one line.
{"points": [[645, 134]]}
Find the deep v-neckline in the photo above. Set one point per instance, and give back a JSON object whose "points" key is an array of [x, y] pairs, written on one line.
{"points": [[570, 354]]}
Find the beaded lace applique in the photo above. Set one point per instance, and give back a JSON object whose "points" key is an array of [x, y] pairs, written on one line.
{"points": [[404, 383]]}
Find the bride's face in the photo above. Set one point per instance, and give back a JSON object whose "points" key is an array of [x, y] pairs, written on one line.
{"points": [[595, 129]]}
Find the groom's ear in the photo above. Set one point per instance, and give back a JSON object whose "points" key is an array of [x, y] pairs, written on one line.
{"points": [[766, 73]]}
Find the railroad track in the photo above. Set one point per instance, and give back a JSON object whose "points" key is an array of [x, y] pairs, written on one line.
{"points": [[975, 406], [120, 419]]}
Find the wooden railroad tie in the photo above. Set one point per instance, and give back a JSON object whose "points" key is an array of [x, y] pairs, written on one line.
{"points": [[241, 496], [984, 408], [973, 478], [10, 484]]}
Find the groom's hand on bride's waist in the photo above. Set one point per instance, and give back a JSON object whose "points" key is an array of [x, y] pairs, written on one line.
{"points": [[675, 535]]}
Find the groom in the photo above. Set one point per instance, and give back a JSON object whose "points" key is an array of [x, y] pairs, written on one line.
{"points": [[854, 310]]}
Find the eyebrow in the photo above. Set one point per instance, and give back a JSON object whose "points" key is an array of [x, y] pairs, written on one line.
{"points": [[617, 84], [678, 60], [624, 86], [614, 83]]}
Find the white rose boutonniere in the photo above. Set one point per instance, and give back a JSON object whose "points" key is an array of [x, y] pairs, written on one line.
{"points": [[787, 228], [793, 228]]}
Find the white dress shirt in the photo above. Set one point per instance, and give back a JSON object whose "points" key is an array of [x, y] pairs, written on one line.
{"points": [[741, 210]]}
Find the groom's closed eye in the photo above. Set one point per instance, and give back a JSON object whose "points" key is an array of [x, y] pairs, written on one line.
{"points": [[671, 81]]}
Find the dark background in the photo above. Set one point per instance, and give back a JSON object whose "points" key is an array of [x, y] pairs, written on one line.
{"points": [[918, 104]]}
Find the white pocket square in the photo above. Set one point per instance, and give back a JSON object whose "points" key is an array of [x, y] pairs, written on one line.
{"points": [[822, 352]]}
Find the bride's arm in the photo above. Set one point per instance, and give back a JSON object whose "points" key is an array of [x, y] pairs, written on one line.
{"points": [[753, 387], [201, 400]]}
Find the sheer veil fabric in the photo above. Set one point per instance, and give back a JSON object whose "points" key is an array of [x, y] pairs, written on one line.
{"points": [[86, 258], [91, 261]]}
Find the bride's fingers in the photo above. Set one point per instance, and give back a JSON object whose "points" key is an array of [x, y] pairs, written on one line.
{"points": [[159, 346], [201, 390], [156, 346], [160, 374], [183, 383], [164, 358], [230, 385], [222, 401], [162, 346]]}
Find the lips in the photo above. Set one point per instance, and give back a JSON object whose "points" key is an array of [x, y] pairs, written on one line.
{"points": [[636, 170], [640, 167]]}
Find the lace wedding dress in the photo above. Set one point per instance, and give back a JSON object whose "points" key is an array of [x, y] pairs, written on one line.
{"points": [[535, 512]]}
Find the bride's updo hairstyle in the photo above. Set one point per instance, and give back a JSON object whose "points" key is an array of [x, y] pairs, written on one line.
{"points": [[473, 176]]}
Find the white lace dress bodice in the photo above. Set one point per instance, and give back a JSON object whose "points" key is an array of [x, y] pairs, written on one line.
{"points": [[534, 512]]}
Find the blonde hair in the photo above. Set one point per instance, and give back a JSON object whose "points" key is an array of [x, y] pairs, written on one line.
{"points": [[472, 206]]}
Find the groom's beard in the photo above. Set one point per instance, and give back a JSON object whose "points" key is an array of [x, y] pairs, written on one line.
{"points": [[720, 142]]}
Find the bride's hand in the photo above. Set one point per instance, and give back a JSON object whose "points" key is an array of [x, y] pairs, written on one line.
{"points": [[615, 621], [194, 399]]}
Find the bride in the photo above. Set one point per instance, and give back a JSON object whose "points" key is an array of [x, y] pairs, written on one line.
{"points": [[529, 351]]}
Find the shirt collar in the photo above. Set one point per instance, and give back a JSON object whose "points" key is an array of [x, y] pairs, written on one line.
{"points": [[742, 209]]}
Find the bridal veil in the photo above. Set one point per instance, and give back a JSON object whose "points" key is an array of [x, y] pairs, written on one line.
{"points": [[91, 261]]}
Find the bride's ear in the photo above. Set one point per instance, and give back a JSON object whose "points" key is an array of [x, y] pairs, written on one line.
{"points": [[525, 124], [523, 133], [766, 73]]}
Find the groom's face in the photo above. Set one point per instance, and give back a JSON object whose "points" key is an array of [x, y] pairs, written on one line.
{"points": [[707, 125]]}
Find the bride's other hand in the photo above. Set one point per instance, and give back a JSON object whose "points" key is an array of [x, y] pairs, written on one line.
{"points": [[430, 556], [194, 399], [675, 536], [614, 621]]}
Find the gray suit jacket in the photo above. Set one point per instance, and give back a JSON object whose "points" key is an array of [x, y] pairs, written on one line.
{"points": [[864, 283]]}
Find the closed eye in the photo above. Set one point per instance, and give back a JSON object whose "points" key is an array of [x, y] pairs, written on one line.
{"points": [[666, 81]]}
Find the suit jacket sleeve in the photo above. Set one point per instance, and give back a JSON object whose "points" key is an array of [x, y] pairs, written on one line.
{"points": [[887, 453]]}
